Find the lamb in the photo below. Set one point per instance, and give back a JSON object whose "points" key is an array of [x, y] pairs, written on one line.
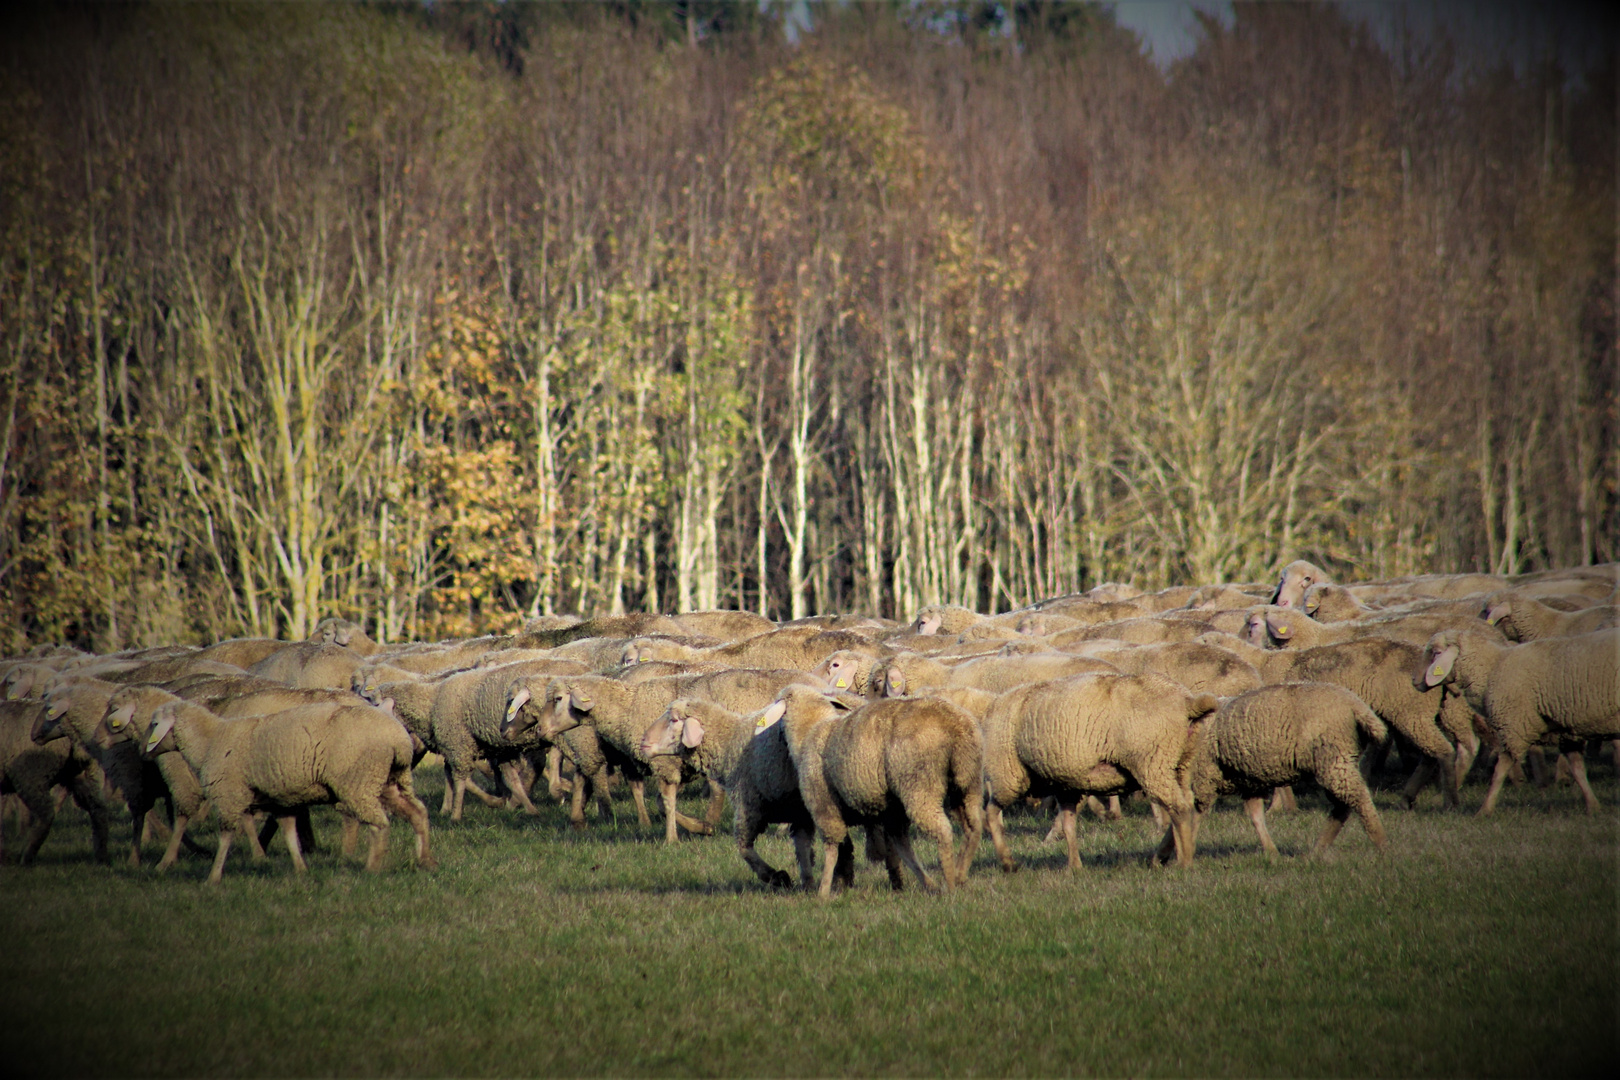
{"points": [[242, 652], [349, 635], [887, 764], [355, 757], [943, 619], [800, 648], [1296, 577], [1203, 669], [621, 715], [1378, 670], [75, 709], [1093, 735], [1146, 630], [725, 625], [459, 716], [310, 664], [31, 771], [1567, 687], [748, 755], [1523, 618], [910, 675], [1281, 734]]}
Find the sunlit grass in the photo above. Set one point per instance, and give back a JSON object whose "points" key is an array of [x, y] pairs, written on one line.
{"points": [[1468, 948]]}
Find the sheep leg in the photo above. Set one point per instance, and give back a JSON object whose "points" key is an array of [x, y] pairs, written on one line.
{"points": [[447, 805], [748, 830], [899, 840], [1282, 798], [406, 804], [667, 790], [351, 835], [1183, 831], [509, 773], [1576, 759], [289, 826], [998, 838], [1066, 812], [1425, 772], [638, 792], [43, 813], [172, 854], [1504, 763], [1337, 816], [225, 835], [1167, 846], [844, 875], [804, 852], [971, 816], [1467, 751], [879, 849], [88, 798], [717, 805], [249, 822], [1256, 809], [1115, 811], [830, 855], [556, 786], [1537, 760]]}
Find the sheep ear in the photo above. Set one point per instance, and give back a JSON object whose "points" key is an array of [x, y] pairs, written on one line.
{"points": [[1312, 603], [1280, 626], [160, 729], [386, 705], [691, 732], [895, 682], [1497, 612], [582, 699], [1440, 670], [770, 715], [519, 699]]}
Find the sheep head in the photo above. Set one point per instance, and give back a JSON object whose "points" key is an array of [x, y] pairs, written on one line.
{"points": [[160, 739], [679, 728], [1439, 660], [1296, 577]]}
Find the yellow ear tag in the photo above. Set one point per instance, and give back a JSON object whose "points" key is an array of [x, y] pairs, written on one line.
{"points": [[115, 724], [842, 683], [1282, 628], [761, 724]]}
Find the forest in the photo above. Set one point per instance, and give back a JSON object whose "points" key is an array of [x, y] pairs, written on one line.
{"points": [[435, 317]]}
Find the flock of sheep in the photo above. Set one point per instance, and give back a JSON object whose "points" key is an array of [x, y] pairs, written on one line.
{"points": [[826, 723]]}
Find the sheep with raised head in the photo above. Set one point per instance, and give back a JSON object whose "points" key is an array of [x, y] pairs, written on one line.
{"points": [[1563, 687], [1295, 578], [354, 757], [1092, 735], [349, 635], [1279, 735]]}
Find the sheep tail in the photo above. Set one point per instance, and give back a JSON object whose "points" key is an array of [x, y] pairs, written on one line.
{"points": [[1199, 714], [967, 776], [1371, 727]]}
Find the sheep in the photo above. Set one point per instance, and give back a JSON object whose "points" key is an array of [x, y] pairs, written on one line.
{"points": [[310, 664], [748, 755], [1563, 686], [1523, 618], [1146, 630], [1227, 597], [1271, 627], [356, 757], [459, 716], [75, 709], [30, 771], [1278, 735], [1089, 612], [1092, 735], [886, 765], [1295, 578], [910, 675], [943, 619], [1203, 669], [801, 648], [621, 715], [725, 625], [349, 635], [630, 652], [29, 680], [858, 672], [130, 709], [1438, 586]]}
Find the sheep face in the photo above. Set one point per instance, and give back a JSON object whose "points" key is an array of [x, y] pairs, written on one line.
{"points": [[47, 724], [928, 623], [1296, 577], [842, 670], [677, 729], [564, 703]]}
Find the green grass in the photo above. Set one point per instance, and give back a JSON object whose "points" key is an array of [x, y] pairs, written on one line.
{"points": [[1479, 948]]}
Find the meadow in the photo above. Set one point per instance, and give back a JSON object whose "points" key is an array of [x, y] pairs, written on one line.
{"points": [[1469, 947]]}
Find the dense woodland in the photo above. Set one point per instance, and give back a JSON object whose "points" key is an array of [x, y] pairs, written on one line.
{"points": [[433, 318]]}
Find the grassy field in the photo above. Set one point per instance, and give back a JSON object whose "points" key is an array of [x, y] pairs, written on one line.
{"points": [[1479, 948]]}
